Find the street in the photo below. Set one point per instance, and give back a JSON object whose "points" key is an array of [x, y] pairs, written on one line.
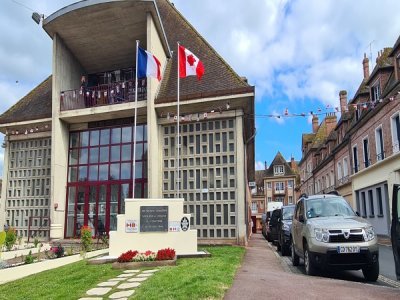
{"points": [[387, 275]]}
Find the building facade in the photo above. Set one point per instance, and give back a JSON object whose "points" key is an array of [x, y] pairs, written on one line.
{"points": [[362, 151], [280, 181], [75, 142]]}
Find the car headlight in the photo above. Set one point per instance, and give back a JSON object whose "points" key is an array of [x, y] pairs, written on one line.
{"points": [[285, 227], [321, 235], [369, 234]]}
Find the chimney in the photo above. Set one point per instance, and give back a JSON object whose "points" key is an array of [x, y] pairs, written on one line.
{"points": [[292, 163], [265, 165], [314, 123], [366, 66], [343, 100]]}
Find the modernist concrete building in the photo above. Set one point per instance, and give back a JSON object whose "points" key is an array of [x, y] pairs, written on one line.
{"points": [[69, 148], [360, 156]]}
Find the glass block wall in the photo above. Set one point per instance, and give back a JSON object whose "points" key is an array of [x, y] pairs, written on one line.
{"points": [[208, 175], [28, 187]]}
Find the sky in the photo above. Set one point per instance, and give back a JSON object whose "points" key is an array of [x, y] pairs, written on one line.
{"points": [[298, 54]]}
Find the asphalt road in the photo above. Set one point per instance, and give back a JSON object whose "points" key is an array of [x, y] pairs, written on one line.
{"points": [[387, 275]]}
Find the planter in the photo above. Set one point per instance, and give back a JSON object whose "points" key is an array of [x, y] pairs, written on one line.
{"points": [[143, 264]]}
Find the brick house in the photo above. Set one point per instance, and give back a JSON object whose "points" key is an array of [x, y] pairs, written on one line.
{"points": [[362, 152]]}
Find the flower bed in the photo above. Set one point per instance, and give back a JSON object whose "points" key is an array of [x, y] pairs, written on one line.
{"points": [[134, 259]]}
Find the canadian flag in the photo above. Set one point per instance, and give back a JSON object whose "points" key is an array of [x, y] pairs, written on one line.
{"points": [[189, 64]]}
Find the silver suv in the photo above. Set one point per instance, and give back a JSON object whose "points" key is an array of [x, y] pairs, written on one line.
{"points": [[328, 234]]}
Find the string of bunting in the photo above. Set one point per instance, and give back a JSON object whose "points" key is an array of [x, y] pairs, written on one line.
{"points": [[28, 130], [286, 114]]}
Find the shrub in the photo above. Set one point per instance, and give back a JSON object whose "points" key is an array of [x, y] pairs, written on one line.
{"points": [[11, 238], [147, 256], [58, 251], [29, 258], [36, 242], [127, 256], [165, 254], [86, 238]]}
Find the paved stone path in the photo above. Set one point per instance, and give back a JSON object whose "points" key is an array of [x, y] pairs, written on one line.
{"points": [[121, 287]]}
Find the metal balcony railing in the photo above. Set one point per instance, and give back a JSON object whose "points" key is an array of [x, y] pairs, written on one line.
{"points": [[106, 94]]}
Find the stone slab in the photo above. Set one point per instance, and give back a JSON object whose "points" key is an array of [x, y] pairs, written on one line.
{"points": [[137, 279], [151, 271], [91, 298], [98, 291], [116, 279], [125, 275], [122, 294], [131, 271], [145, 275], [108, 283], [129, 285]]}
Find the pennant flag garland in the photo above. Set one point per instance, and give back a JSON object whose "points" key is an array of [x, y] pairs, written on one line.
{"points": [[189, 64]]}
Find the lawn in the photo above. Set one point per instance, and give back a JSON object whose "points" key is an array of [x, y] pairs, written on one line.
{"points": [[192, 278]]}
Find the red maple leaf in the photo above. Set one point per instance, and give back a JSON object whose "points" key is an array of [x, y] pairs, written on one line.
{"points": [[191, 60]]}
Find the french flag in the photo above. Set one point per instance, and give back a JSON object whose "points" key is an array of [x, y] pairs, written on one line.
{"points": [[148, 65]]}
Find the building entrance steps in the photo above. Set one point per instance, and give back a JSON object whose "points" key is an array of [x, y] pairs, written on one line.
{"points": [[262, 276]]}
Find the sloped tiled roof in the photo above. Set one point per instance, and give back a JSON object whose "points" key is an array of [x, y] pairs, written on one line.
{"points": [[219, 78], [362, 89], [35, 105], [396, 45], [279, 160], [260, 174]]}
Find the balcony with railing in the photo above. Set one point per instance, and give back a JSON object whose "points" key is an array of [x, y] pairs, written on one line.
{"points": [[104, 94]]}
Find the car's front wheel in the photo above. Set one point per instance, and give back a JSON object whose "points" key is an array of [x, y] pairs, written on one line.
{"points": [[308, 263], [371, 273], [295, 257]]}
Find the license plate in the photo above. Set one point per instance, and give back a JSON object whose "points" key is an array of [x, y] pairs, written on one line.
{"points": [[348, 249]]}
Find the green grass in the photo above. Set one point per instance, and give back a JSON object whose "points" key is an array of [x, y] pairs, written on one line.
{"points": [[194, 278], [67, 282]]}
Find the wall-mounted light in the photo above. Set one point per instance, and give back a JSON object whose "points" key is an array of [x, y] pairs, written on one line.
{"points": [[55, 206], [37, 17]]}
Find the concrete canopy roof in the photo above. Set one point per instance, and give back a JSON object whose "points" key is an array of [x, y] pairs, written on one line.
{"points": [[105, 36]]}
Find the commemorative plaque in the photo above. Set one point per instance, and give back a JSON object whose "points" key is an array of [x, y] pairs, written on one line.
{"points": [[154, 219]]}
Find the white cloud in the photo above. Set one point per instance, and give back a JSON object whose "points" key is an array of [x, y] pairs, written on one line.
{"points": [[278, 119], [260, 165]]}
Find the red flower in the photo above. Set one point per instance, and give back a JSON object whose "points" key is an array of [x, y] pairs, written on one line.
{"points": [[127, 256], [165, 254]]}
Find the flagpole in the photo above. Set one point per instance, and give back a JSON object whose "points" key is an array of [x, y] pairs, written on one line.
{"points": [[178, 119], [134, 126]]}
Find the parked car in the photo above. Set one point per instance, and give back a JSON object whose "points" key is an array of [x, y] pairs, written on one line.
{"points": [[284, 227], [272, 229], [395, 229], [328, 234]]}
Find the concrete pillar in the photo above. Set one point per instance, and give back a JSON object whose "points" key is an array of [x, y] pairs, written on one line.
{"points": [[241, 180], [66, 75]]}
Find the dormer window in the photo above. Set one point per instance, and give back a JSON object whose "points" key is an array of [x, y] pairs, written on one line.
{"points": [[376, 91], [278, 170]]}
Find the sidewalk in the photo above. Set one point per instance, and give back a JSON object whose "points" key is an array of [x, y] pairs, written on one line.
{"points": [[262, 276]]}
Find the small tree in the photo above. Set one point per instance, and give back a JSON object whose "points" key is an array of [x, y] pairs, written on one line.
{"points": [[2, 241], [86, 238], [11, 238]]}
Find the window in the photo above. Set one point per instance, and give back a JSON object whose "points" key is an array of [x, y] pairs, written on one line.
{"points": [[290, 184], [279, 186], [371, 203], [380, 203], [376, 91], [395, 124], [366, 152], [355, 159], [290, 199], [379, 144], [345, 167], [278, 170], [254, 207], [364, 204], [339, 171], [269, 199], [269, 185]]}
